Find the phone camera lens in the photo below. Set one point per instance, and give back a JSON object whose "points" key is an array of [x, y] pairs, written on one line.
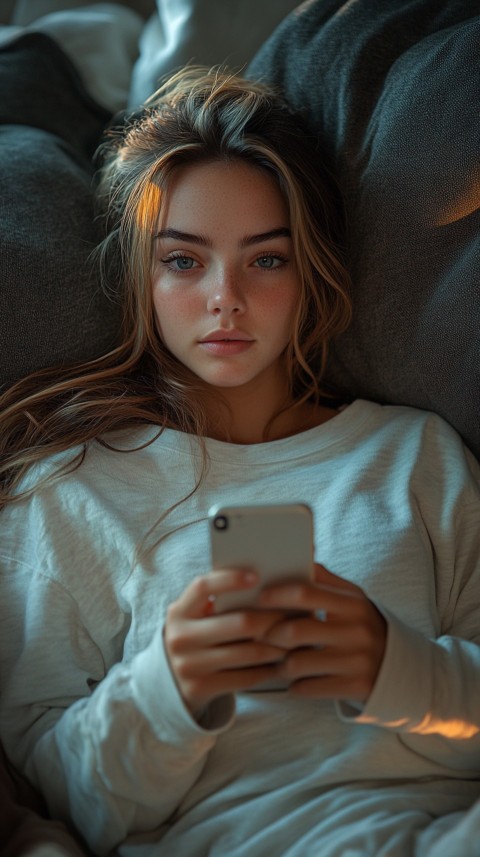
{"points": [[220, 522]]}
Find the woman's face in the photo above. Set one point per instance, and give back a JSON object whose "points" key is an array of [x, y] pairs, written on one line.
{"points": [[225, 284]]}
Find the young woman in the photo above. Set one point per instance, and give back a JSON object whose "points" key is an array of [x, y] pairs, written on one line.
{"points": [[128, 700]]}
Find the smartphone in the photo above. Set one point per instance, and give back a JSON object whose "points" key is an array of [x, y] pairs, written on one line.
{"points": [[276, 540]]}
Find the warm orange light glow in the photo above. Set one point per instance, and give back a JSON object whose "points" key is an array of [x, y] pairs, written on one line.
{"points": [[459, 730], [464, 205], [149, 204]]}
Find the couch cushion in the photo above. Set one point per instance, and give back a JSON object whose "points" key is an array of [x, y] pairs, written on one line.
{"points": [[52, 308], [392, 90]]}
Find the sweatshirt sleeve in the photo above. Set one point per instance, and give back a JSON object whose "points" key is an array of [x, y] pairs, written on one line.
{"points": [[117, 760], [428, 689]]}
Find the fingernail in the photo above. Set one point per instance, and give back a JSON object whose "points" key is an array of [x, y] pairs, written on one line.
{"points": [[209, 609]]}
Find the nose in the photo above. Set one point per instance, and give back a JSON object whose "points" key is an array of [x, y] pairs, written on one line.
{"points": [[226, 296]]}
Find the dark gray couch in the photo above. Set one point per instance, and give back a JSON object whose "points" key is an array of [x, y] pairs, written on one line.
{"points": [[392, 90]]}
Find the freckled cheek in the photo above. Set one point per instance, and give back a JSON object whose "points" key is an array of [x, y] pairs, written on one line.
{"points": [[280, 312], [280, 302], [173, 311]]}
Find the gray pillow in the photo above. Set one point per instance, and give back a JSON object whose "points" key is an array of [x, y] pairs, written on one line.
{"points": [[52, 308], [393, 92]]}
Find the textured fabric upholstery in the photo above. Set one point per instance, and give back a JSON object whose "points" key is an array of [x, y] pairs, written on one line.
{"points": [[52, 308], [392, 90]]}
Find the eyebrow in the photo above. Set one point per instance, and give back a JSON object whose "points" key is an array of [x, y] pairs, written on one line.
{"points": [[177, 235], [247, 241], [282, 232]]}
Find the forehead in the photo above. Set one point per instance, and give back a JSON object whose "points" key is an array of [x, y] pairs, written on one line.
{"points": [[228, 191]]}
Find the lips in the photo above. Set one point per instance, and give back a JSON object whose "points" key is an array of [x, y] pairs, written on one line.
{"points": [[226, 343], [226, 336]]}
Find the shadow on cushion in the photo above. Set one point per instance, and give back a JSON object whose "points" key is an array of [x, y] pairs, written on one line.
{"points": [[392, 90], [52, 308]]}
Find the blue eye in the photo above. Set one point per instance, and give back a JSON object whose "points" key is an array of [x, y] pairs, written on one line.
{"points": [[270, 261], [184, 263], [179, 263]]}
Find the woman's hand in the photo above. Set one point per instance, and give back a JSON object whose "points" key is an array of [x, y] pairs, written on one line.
{"points": [[212, 655], [334, 652]]}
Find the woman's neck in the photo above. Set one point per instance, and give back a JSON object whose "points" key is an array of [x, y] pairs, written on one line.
{"points": [[236, 421]]}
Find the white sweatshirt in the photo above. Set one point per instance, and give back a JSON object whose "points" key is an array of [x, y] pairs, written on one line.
{"points": [[90, 710]]}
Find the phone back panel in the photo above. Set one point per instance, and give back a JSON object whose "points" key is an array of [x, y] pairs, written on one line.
{"points": [[276, 540]]}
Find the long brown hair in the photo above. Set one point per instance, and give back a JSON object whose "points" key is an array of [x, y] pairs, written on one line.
{"points": [[196, 116]]}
